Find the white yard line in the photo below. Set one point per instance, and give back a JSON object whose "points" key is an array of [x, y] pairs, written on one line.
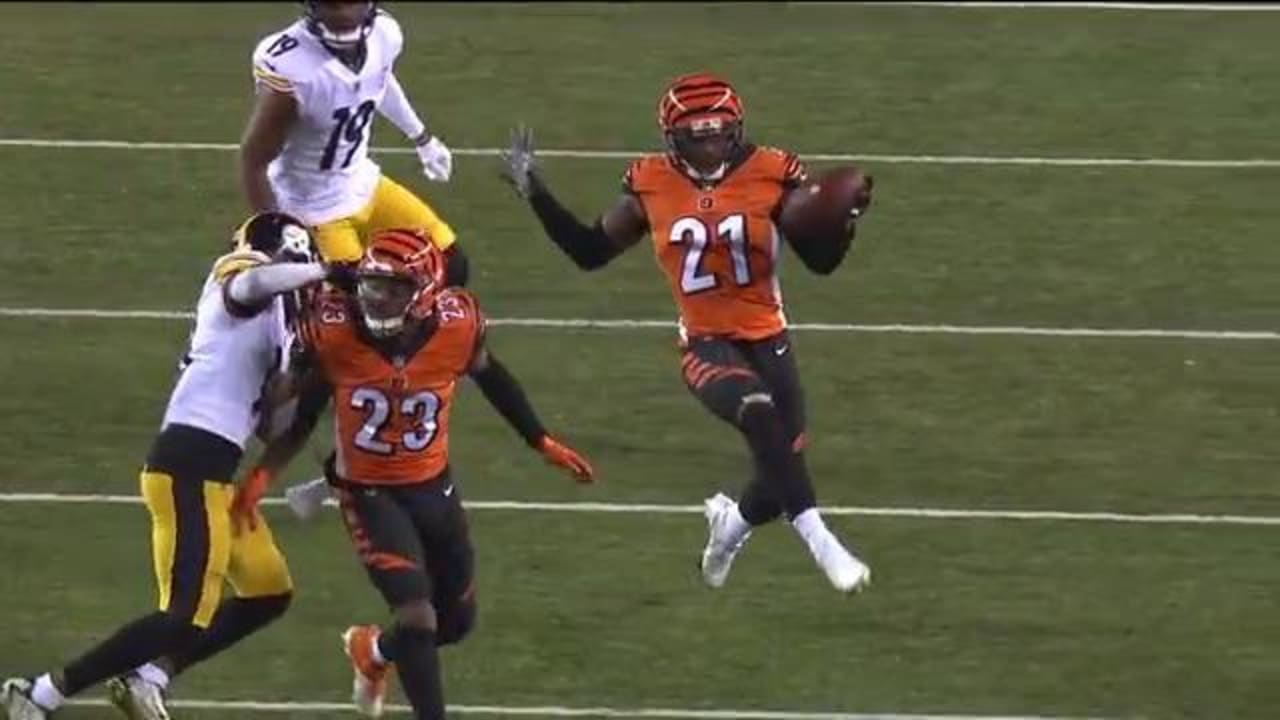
{"points": [[634, 324], [577, 712], [627, 154], [922, 513]]}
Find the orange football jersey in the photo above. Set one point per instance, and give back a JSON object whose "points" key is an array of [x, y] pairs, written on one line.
{"points": [[391, 414], [718, 245]]}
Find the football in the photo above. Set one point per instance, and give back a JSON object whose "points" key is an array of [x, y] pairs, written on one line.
{"points": [[819, 210]]}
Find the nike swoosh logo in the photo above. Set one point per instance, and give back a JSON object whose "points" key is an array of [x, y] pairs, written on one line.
{"points": [[781, 350], [448, 491]]}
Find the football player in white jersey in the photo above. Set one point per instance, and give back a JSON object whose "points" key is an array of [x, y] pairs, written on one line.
{"points": [[305, 150], [203, 531]]}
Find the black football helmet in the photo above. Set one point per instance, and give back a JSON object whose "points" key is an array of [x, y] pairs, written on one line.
{"points": [[277, 235]]}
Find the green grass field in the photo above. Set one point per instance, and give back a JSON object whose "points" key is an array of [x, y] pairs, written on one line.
{"points": [[968, 616]]}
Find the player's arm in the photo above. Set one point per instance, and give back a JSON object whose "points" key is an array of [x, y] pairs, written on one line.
{"points": [[274, 112], [589, 246], [821, 255], [250, 290], [437, 160], [313, 397], [506, 395]]}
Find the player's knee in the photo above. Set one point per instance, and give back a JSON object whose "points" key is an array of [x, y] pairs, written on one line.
{"points": [[457, 269], [417, 614], [178, 624], [761, 422], [456, 623], [270, 607], [757, 409]]}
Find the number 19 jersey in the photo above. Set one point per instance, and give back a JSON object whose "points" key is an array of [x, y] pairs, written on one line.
{"points": [[324, 172]]}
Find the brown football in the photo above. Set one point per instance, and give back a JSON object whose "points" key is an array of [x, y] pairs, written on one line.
{"points": [[819, 210]]}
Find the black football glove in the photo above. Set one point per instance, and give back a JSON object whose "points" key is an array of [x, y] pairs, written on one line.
{"points": [[342, 275]]}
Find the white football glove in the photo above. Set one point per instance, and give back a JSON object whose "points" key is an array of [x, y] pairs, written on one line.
{"points": [[437, 161]]}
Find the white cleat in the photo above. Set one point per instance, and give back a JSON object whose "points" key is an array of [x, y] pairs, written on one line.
{"points": [[137, 698], [846, 572], [722, 547], [307, 499], [15, 697]]}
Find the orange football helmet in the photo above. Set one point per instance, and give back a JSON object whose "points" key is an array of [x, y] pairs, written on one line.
{"points": [[399, 275], [701, 117]]}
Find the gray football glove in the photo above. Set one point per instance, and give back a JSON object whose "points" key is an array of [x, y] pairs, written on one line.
{"points": [[518, 165]]}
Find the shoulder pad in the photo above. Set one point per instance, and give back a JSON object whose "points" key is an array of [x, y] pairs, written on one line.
{"points": [[643, 171], [785, 165], [387, 31], [233, 262], [285, 59]]}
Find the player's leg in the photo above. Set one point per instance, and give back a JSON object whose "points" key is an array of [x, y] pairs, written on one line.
{"points": [[340, 240], [446, 535], [773, 359], [394, 206], [191, 539], [259, 575], [721, 379], [382, 529]]}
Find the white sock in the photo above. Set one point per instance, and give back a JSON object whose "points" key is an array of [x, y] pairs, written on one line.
{"points": [[737, 526], [154, 674], [46, 694], [810, 527]]}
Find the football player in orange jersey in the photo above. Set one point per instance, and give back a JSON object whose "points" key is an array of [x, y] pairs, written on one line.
{"points": [[389, 353], [710, 203]]}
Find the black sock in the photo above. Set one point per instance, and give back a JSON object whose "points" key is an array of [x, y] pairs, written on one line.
{"points": [[784, 470], [758, 505], [236, 619], [144, 639], [418, 664]]}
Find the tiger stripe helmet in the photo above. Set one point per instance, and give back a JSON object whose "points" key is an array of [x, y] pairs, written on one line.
{"points": [[399, 275], [699, 101]]}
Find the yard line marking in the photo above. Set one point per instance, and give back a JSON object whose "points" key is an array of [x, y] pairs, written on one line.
{"points": [[562, 711], [665, 509], [634, 324], [629, 154], [1182, 7]]}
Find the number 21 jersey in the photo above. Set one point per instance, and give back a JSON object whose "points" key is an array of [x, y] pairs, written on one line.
{"points": [[324, 172]]}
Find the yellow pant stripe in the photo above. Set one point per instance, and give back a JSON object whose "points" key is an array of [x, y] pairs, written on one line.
{"points": [[157, 492], [217, 508]]}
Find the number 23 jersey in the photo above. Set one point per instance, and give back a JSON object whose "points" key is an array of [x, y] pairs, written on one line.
{"points": [[391, 414], [324, 172]]}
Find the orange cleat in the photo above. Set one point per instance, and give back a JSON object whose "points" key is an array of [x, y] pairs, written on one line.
{"points": [[369, 686]]}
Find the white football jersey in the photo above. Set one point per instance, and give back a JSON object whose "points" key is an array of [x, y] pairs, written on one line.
{"points": [[230, 359], [324, 172]]}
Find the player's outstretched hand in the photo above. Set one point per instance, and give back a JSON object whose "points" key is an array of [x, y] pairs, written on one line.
{"points": [[566, 457], [437, 160], [518, 162]]}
